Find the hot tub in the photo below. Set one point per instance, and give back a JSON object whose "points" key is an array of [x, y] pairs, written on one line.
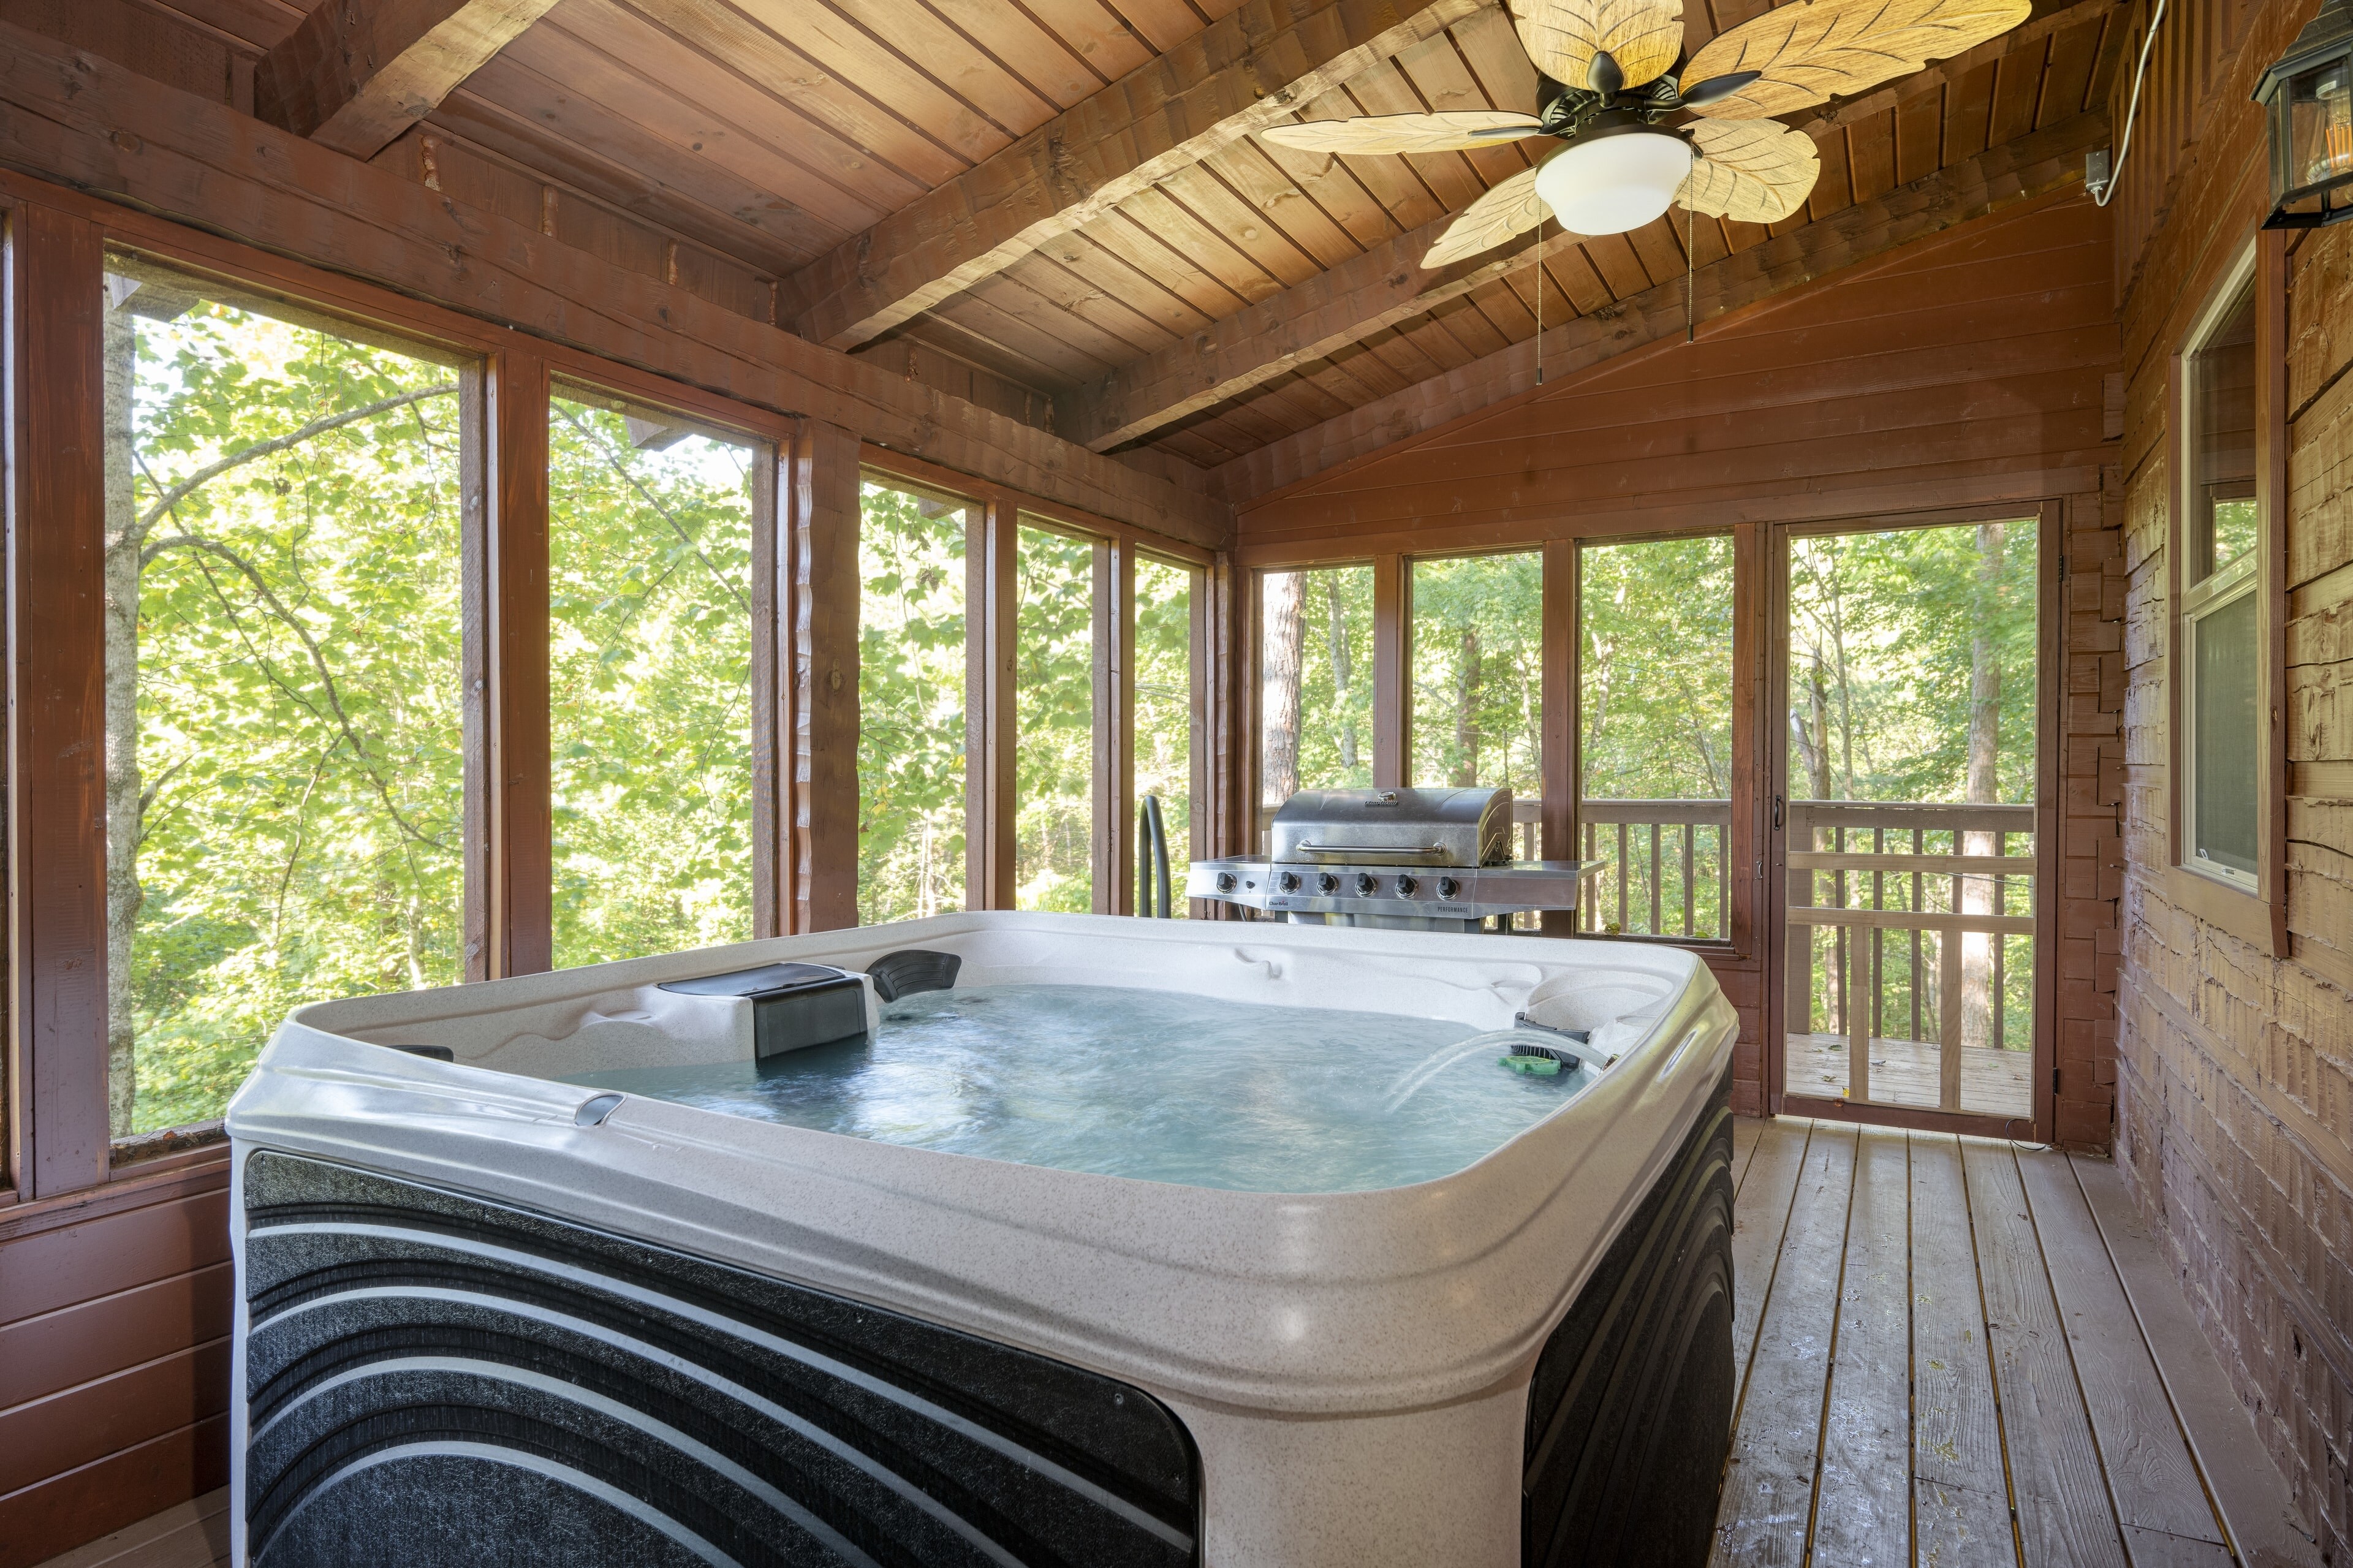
{"points": [[1280, 1265]]}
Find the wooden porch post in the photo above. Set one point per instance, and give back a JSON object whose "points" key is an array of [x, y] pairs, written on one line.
{"points": [[1557, 728], [56, 816], [1115, 708], [823, 510], [992, 618], [1392, 683], [516, 866], [772, 685]]}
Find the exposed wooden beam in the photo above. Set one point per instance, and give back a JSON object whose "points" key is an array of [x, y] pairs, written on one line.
{"points": [[1326, 314], [74, 118], [354, 74], [1245, 71], [2014, 172]]}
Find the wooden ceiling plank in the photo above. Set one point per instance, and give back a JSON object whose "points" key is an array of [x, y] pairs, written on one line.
{"points": [[1436, 70], [593, 99], [1658, 246], [1969, 114], [1246, 71], [1170, 267], [1096, 34], [1382, 89], [1492, 49], [2067, 79], [1066, 349], [2017, 89], [1615, 260], [1156, 213], [890, 127], [1835, 189], [1502, 304], [966, 127], [1871, 144], [1919, 137], [354, 74], [1164, 307], [520, 115], [2053, 17], [1027, 48], [1125, 330], [915, 34], [2036, 166], [1388, 181], [1582, 288], [1361, 368], [725, 115], [1162, 24], [1256, 180], [1332, 183], [943, 334], [1468, 325], [1210, 200]]}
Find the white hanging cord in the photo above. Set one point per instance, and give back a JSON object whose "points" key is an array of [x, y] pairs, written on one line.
{"points": [[1691, 272], [2107, 187]]}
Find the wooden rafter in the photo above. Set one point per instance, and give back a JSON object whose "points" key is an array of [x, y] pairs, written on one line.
{"points": [[1386, 285], [354, 74], [1245, 71], [2032, 165]]}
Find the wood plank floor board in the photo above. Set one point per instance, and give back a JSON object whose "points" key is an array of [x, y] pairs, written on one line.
{"points": [[2247, 1486], [1761, 1215], [1961, 1488], [1745, 1130], [2065, 1512], [1768, 1482], [2154, 1549], [2150, 1473], [193, 1535], [1862, 1506]]}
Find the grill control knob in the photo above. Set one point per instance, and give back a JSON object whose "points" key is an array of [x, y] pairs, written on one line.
{"points": [[1364, 884], [1327, 883], [1448, 887], [1288, 882], [1405, 886], [1224, 881]]}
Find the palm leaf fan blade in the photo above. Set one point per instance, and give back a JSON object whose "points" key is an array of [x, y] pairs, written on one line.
{"points": [[1382, 133], [1644, 37], [1751, 171], [1809, 53], [1512, 207]]}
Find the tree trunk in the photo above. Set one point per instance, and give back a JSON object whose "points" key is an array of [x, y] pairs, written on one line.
{"points": [[1340, 674], [1983, 783], [120, 568], [1468, 678], [1284, 647]]}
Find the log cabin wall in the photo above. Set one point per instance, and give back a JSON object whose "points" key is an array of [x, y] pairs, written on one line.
{"points": [[1968, 374], [2235, 1057]]}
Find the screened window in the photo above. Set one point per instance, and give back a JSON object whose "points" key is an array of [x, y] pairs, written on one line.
{"points": [[649, 666], [1315, 673], [1054, 837], [1477, 651], [284, 756], [1165, 738], [1654, 707], [912, 670], [2221, 614]]}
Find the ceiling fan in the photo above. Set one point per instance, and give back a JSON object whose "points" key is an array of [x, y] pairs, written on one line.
{"points": [[1606, 81]]}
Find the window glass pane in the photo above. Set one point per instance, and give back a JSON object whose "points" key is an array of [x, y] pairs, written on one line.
{"points": [[911, 704], [1315, 673], [2223, 737], [649, 681], [1163, 731], [1478, 672], [284, 768], [1053, 857], [1655, 708], [2221, 441]]}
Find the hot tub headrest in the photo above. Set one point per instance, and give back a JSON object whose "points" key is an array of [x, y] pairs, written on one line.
{"points": [[794, 1006], [913, 969]]}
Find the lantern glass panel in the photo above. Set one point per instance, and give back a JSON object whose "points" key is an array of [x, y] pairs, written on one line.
{"points": [[2315, 138]]}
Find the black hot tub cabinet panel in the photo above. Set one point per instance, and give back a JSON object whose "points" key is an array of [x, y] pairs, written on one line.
{"points": [[1630, 1414], [435, 1380]]}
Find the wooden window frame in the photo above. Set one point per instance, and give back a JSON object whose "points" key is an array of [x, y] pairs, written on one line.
{"points": [[2256, 913]]}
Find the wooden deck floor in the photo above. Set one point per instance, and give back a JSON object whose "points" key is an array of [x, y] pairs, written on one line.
{"points": [[1942, 1366], [1904, 1072]]}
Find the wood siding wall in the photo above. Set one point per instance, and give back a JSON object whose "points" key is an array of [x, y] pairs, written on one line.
{"points": [[114, 1352], [2235, 1080], [1967, 372]]}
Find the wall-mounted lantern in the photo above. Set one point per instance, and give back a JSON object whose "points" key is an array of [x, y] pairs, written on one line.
{"points": [[2307, 98]]}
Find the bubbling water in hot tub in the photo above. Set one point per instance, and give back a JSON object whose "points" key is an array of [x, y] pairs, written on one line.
{"points": [[1154, 1085]]}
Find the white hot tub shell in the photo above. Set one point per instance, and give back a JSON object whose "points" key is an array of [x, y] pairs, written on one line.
{"points": [[470, 1327]]}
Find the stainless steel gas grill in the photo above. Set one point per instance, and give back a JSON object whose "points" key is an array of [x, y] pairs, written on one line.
{"points": [[1417, 860]]}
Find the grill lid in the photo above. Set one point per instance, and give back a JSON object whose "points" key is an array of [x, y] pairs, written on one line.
{"points": [[1396, 826]]}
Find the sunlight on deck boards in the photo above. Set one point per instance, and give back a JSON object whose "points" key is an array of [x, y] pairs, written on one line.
{"points": [[1940, 1366], [1904, 1072]]}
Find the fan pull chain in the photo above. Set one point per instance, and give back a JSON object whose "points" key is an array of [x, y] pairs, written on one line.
{"points": [[1690, 273], [1539, 303]]}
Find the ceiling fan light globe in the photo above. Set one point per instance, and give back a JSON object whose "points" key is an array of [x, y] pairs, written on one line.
{"points": [[1614, 181]]}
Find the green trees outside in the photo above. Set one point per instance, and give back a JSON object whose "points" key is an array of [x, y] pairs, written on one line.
{"points": [[1477, 647], [1315, 672], [1054, 756], [650, 683], [1655, 662], [1164, 706], [284, 714], [911, 705]]}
